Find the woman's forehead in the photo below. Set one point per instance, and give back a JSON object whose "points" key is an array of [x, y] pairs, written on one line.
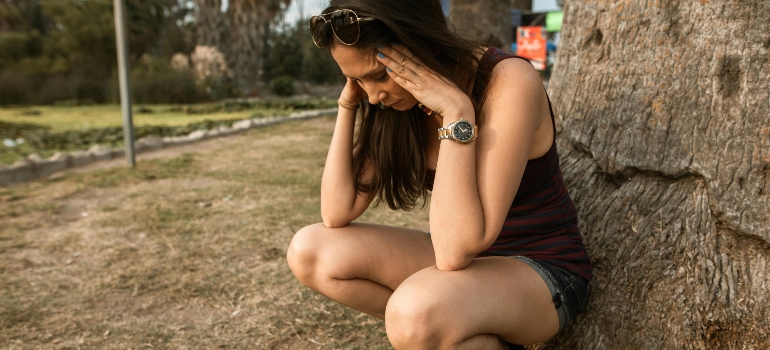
{"points": [[355, 62]]}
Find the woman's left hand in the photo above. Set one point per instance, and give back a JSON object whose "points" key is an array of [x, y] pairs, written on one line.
{"points": [[432, 90]]}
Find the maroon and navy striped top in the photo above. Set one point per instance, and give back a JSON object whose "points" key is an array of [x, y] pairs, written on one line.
{"points": [[542, 221]]}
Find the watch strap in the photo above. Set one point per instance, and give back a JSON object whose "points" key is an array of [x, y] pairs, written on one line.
{"points": [[446, 132]]}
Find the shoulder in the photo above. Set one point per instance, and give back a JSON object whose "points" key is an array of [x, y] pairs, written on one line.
{"points": [[514, 87], [513, 73]]}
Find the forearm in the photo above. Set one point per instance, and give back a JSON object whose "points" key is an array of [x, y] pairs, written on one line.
{"points": [[456, 215], [338, 192]]}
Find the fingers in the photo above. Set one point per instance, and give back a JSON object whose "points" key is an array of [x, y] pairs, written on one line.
{"points": [[402, 56], [351, 92], [404, 52], [399, 67]]}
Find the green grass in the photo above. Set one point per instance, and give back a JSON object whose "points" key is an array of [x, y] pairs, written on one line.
{"points": [[49, 129], [88, 117]]}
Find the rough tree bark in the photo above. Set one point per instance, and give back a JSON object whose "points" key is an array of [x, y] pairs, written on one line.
{"points": [[482, 19], [209, 23], [665, 146]]}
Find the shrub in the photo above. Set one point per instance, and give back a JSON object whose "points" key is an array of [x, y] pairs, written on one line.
{"points": [[282, 86], [180, 62], [211, 72], [55, 89], [154, 81], [16, 45], [15, 88], [209, 64], [170, 86]]}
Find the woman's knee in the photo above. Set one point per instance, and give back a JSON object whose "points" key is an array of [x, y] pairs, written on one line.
{"points": [[412, 318], [302, 255]]}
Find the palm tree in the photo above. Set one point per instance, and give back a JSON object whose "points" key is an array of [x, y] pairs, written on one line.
{"points": [[483, 19], [249, 23], [209, 23]]}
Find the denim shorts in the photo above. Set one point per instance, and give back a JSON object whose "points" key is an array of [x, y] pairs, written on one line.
{"points": [[569, 290]]}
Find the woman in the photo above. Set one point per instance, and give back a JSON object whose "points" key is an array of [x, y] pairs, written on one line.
{"points": [[504, 262]]}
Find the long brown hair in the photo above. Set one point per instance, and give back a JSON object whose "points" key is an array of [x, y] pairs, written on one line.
{"points": [[393, 142]]}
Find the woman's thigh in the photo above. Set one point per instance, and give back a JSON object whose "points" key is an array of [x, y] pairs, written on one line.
{"points": [[494, 295], [383, 254]]}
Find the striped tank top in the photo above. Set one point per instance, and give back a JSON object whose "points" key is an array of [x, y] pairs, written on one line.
{"points": [[542, 221]]}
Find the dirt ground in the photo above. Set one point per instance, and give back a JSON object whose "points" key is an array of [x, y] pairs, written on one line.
{"points": [[184, 252]]}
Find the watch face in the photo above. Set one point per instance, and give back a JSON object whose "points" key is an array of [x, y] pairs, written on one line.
{"points": [[463, 131]]}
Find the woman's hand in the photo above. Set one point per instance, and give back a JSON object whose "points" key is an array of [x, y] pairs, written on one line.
{"points": [[351, 94], [432, 90]]}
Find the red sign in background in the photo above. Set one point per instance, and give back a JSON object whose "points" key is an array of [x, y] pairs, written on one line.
{"points": [[530, 44]]}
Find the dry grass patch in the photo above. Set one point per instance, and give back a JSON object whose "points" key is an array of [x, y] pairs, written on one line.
{"points": [[184, 252]]}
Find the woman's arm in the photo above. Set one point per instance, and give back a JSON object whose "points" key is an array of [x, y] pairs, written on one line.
{"points": [[340, 202], [475, 183]]}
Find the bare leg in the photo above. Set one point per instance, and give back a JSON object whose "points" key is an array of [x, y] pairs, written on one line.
{"points": [[463, 309], [359, 265]]}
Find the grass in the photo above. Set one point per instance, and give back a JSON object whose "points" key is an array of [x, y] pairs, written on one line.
{"points": [[185, 251], [102, 116], [46, 130]]}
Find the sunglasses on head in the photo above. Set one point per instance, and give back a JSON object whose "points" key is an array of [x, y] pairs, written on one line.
{"points": [[345, 26]]}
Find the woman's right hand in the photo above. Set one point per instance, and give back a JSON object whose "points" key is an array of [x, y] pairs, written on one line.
{"points": [[352, 93]]}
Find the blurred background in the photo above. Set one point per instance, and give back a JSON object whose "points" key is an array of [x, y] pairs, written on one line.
{"points": [[181, 51], [194, 64]]}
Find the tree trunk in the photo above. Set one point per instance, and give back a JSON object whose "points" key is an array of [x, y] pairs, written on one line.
{"points": [[209, 23], [665, 146], [249, 22], [483, 19], [247, 30]]}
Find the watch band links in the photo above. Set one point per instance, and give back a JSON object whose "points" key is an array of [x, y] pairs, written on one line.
{"points": [[446, 132]]}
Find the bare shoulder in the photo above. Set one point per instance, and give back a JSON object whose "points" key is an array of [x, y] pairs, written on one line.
{"points": [[515, 76], [517, 104], [515, 89]]}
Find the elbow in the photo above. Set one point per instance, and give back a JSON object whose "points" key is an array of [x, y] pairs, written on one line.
{"points": [[333, 218], [337, 212], [334, 222], [455, 262], [450, 267]]}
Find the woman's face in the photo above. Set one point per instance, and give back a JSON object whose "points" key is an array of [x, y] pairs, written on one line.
{"points": [[362, 66]]}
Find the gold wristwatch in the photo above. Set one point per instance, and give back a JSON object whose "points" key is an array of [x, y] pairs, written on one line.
{"points": [[461, 131]]}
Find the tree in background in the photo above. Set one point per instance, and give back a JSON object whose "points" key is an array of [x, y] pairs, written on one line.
{"points": [[64, 50], [291, 52], [249, 22], [209, 24], [21, 16], [665, 147], [483, 20], [54, 50]]}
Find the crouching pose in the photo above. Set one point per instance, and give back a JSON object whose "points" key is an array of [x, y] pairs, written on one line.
{"points": [[470, 126]]}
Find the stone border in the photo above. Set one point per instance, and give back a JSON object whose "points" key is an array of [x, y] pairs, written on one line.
{"points": [[34, 166]]}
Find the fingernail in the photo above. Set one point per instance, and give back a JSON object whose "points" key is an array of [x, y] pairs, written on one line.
{"points": [[388, 69], [380, 55]]}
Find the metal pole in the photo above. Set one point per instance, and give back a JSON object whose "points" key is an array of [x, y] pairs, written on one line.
{"points": [[125, 84]]}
